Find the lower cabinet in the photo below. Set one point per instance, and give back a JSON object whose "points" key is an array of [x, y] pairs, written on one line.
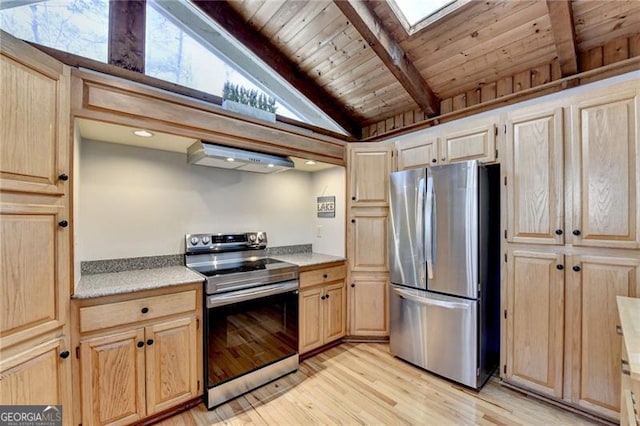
{"points": [[369, 305], [134, 371], [561, 325], [38, 375], [322, 306]]}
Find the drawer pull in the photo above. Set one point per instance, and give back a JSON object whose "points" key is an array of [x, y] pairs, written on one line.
{"points": [[140, 344], [325, 276], [150, 342], [64, 354], [619, 330], [63, 224], [144, 310], [626, 371]]}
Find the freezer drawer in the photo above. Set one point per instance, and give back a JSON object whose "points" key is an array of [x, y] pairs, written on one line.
{"points": [[435, 332]]}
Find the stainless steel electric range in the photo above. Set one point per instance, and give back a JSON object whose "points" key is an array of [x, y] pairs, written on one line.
{"points": [[250, 315]]}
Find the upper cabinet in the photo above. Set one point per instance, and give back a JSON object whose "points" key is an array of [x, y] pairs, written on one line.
{"points": [[471, 141], [606, 170], [369, 168], [34, 154], [534, 170]]}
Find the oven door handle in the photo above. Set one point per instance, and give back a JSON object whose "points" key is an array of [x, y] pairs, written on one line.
{"points": [[217, 300]]}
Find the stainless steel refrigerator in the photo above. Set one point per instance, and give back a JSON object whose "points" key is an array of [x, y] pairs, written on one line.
{"points": [[444, 250]]}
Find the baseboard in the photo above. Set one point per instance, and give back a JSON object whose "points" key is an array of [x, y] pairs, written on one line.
{"points": [[171, 411]]}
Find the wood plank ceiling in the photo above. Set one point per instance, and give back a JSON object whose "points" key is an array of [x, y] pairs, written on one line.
{"points": [[360, 57]]}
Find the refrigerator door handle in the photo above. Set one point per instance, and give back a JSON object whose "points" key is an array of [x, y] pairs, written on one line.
{"points": [[429, 301], [428, 221], [420, 206]]}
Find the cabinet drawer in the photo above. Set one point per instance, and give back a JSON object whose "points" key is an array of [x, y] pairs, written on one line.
{"points": [[319, 276], [131, 311]]}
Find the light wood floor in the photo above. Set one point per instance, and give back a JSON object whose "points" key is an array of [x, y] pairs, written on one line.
{"points": [[361, 383]]}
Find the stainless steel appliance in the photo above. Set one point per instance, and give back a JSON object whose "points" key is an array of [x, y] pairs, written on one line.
{"points": [[250, 315], [444, 266]]}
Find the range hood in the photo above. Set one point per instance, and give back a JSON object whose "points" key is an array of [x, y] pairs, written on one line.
{"points": [[224, 157]]}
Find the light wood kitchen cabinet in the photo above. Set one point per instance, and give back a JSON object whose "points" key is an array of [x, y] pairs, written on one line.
{"points": [[130, 370], [535, 169], [368, 251], [35, 274], [469, 143], [418, 153], [39, 375], [322, 306], [369, 168], [535, 320], [594, 282], [606, 170], [369, 305]]}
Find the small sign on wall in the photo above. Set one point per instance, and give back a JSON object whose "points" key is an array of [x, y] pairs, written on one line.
{"points": [[327, 206]]}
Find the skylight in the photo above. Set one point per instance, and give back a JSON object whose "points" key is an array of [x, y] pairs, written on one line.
{"points": [[417, 14]]}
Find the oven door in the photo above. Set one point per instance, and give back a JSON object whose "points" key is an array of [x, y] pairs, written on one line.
{"points": [[249, 329]]}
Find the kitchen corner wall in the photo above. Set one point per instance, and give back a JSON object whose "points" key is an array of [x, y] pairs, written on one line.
{"points": [[329, 233], [135, 202]]}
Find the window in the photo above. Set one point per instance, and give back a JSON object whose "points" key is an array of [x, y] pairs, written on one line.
{"points": [[417, 14], [80, 27]]}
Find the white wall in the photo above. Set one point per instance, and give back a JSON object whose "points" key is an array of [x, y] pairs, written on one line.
{"points": [[140, 202], [329, 233]]}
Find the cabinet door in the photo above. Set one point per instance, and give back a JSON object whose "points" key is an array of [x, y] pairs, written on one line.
{"points": [[113, 378], [171, 363], [368, 251], [535, 308], [38, 376], [606, 171], [478, 143], [534, 172], [34, 276], [412, 154], [335, 308], [35, 119], [369, 168], [595, 281], [310, 319], [369, 315]]}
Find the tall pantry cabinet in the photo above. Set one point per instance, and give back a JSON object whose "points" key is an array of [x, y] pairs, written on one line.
{"points": [[572, 244], [35, 275], [368, 172]]}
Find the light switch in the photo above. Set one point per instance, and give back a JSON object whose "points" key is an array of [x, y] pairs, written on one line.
{"points": [[319, 231]]}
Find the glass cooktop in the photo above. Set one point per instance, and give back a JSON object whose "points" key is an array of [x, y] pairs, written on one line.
{"points": [[224, 268]]}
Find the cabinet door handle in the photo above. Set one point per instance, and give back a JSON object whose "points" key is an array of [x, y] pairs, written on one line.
{"points": [[144, 310], [150, 342], [558, 231], [576, 268], [353, 198], [63, 177], [618, 330], [64, 354], [325, 276], [576, 232], [140, 344], [560, 267], [623, 370], [353, 221], [63, 224], [433, 160], [322, 297], [352, 285], [327, 296]]}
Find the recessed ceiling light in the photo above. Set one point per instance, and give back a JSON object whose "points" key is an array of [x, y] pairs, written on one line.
{"points": [[310, 163], [270, 165], [143, 133], [230, 159]]}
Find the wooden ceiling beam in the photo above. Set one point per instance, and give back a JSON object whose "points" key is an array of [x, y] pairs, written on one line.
{"points": [[225, 16], [561, 17], [391, 54]]}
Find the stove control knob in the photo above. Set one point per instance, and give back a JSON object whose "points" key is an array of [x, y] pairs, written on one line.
{"points": [[205, 240], [194, 240], [252, 238], [260, 237]]}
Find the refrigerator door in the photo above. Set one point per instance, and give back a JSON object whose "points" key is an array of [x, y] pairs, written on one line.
{"points": [[451, 217], [406, 219], [438, 333]]}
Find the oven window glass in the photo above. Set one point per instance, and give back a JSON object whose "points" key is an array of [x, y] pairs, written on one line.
{"points": [[249, 335]]}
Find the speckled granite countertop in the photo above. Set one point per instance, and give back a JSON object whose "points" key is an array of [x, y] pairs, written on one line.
{"points": [[130, 281], [308, 259]]}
